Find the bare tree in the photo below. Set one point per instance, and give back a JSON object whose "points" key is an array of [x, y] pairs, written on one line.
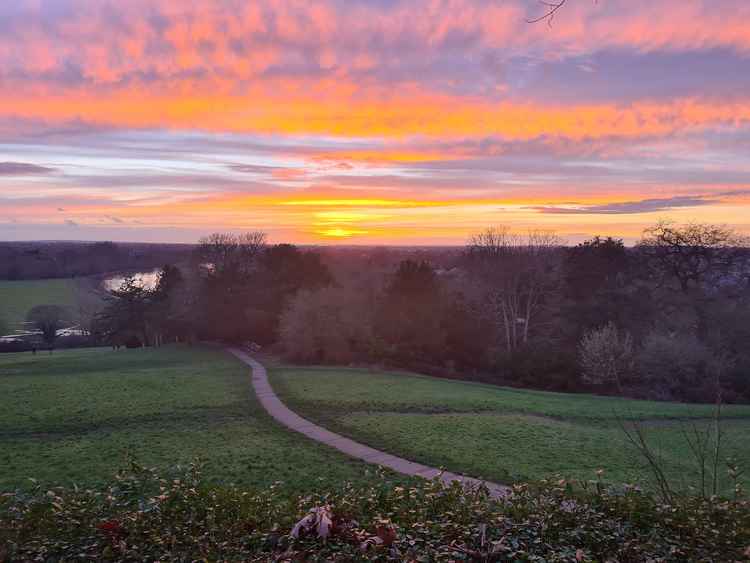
{"points": [[693, 254], [49, 320], [517, 273], [231, 253]]}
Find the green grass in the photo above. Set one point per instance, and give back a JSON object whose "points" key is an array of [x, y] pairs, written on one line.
{"points": [[501, 433], [74, 416], [18, 297]]}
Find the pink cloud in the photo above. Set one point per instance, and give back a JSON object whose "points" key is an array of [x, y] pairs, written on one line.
{"points": [[408, 98], [114, 40]]}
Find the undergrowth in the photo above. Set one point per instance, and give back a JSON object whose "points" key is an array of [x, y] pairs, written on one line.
{"points": [[143, 515]]}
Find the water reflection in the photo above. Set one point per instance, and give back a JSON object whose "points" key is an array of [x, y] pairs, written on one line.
{"points": [[147, 280]]}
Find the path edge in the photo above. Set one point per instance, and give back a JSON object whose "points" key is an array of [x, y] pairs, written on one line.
{"points": [[287, 417]]}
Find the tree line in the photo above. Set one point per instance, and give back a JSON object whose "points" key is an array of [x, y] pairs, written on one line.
{"points": [[668, 318], [47, 260]]}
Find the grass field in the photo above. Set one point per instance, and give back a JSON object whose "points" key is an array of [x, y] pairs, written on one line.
{"points": [[500, 433], [18, 297], [73, 416]]}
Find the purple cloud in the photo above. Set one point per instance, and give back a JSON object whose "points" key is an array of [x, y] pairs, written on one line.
{"points": [[23, 169], [628, 207]]}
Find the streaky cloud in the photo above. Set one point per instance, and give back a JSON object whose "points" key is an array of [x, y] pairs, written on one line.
{"points": [[23, 169], [627, 207]]}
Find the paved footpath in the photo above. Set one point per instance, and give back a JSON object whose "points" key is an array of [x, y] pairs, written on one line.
{"points": [[289, 418]]}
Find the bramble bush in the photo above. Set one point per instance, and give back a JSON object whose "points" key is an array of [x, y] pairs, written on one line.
{"points": [[145, 516]]}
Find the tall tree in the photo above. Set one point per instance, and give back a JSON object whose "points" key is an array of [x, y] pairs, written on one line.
{"points": [[599, 288], [49, 320], [230, 265], [283, 270], [694, 254], [410, 317], [169, 310], [127, 315], [594, 265], [231, 255], [517, 274]]}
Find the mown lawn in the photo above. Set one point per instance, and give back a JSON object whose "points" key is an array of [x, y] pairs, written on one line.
{"points": [[18, 297], [501, 433], [74, 417]]}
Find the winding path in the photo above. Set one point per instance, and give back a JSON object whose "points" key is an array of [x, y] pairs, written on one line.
{"points": [[292, 420]]}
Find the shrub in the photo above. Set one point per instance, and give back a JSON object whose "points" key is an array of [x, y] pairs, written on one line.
{"points": [[329, 324], [146, 516], [540, 366], [675, 366], [606, 355]]}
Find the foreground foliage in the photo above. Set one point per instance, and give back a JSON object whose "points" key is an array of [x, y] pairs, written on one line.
{"points": [[143, 515]]}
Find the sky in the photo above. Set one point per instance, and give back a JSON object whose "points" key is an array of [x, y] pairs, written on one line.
{"points": [[370, 121]]}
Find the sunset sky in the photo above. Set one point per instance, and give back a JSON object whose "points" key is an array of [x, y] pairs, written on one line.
{"points": [[370, 121]]}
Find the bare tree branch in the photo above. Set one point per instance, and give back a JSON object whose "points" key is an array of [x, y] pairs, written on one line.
{"points": [[549, 15]]}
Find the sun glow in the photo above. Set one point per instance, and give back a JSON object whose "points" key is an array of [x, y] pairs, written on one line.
{"points": [[295, 118], [336, 217], [340, 232], [351, 202]]}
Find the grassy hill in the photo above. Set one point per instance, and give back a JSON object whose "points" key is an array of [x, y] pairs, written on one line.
{"points": [[70, 417], [74, 416], [505, 434]]}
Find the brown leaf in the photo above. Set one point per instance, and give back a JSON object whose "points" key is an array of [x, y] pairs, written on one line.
{"points": [[387, 533]]}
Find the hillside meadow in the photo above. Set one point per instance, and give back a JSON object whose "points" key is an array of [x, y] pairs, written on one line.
{"points": [[506, 434], [76, 416], [165, 453]]}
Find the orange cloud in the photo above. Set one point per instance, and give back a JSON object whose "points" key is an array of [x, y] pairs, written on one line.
{"points": [[398, 116], [368, 95], [285, 67]]}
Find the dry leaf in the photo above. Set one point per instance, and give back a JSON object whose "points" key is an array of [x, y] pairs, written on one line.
{"points": [[319, 520], [387, 533]]}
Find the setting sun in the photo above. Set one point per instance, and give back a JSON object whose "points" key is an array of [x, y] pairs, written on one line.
{"points": [[374, 280], [339, 232], [286, 117]]}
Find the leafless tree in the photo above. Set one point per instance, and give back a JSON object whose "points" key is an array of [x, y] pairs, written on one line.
{"points": [[48, 320], [517, 273], [228, 252], [694, 253]]}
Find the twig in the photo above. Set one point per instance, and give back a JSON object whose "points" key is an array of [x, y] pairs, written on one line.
{"points": [[549, 15]]}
